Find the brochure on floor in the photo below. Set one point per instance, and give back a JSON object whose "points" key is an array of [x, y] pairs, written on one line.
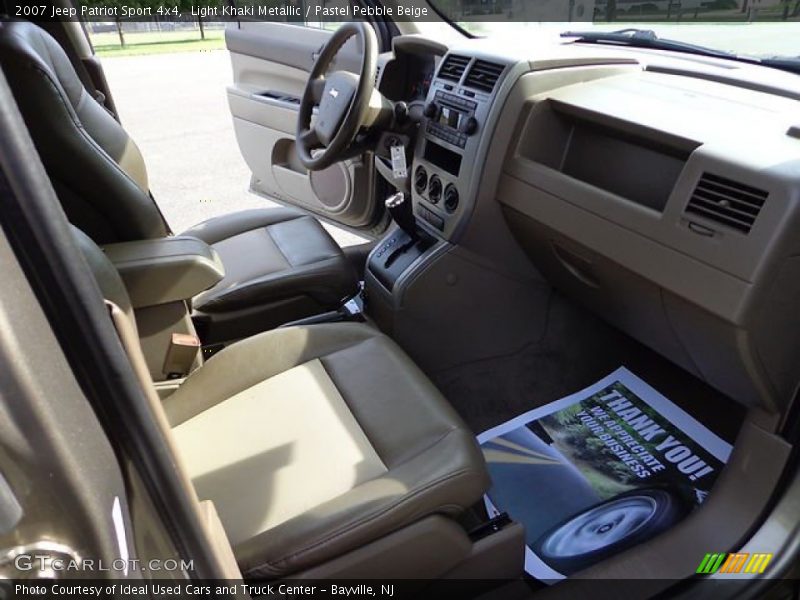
{"points": [[598, 472]]}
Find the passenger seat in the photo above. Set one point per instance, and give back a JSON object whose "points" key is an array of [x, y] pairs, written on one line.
{"points": [[316, 443]]}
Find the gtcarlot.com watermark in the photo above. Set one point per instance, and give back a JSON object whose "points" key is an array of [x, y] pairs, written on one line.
{"points": [[50, 564]]}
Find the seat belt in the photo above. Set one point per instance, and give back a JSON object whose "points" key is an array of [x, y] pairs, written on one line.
{"points": [[205, 511], [89, 86]]}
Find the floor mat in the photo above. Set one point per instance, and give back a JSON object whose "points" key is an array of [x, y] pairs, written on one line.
{"points": [[599, 471], [577, 349]]}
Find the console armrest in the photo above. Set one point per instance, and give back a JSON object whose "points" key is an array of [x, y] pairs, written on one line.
{"points": [[165, 270]]}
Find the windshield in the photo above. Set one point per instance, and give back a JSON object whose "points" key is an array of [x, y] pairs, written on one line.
{"points": [[756, 28]]}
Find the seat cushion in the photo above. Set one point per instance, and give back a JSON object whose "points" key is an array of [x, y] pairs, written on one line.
{"points": [[271, 255], [313, 441]]}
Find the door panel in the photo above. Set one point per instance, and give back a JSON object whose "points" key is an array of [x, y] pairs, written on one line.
{"points": [[271, 63]]}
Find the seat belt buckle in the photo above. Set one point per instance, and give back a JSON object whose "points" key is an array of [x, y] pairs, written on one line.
{"points": [[489, 527], [181, 355]]}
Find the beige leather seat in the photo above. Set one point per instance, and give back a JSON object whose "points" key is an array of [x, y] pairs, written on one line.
{"points": [[312, 441], [315, 441], [281, 264]]}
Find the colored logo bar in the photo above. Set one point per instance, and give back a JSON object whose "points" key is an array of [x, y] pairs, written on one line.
{"points": [[734, 563]]}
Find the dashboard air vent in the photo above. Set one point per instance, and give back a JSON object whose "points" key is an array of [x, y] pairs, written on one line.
{"points": [[453, 67], [484, 75], [727, 202]]}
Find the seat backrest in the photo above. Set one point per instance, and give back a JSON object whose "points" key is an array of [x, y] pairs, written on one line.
{"points": [[95, 167]]}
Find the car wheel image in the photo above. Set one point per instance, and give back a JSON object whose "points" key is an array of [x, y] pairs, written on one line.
{"points": [[607, 528]]}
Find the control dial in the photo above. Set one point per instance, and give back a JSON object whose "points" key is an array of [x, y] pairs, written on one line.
{"points": [[469, 126], [435, 190], [420, 180], [431, 110], [451, 198]]}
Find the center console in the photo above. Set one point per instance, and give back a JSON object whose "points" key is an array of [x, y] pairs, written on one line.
{"points": [[444, 165], [165, 270], [414, 269], [446, 152], [161, 276]]}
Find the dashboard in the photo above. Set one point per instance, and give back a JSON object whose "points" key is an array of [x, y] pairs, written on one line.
{"points": [[407, 73], [661, 191], [642, 195]]}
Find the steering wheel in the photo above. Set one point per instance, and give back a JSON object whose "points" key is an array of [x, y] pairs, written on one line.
{"points": [[342, 99]]}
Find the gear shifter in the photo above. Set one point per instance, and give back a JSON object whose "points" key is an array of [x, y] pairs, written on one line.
{"points": [[399, 207], [399, 249]]}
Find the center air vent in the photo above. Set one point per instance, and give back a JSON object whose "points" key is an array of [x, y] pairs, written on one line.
{"points": [[484, 75], [453, 67], [727, 202]]}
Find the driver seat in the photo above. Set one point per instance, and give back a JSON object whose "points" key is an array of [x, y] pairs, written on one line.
{"points": [[280, 264]]}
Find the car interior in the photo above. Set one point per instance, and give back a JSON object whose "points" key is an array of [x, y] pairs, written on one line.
{"points": [[537, 220]]}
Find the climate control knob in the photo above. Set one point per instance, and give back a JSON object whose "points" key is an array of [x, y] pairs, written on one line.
{"points": [[420, 180], [431, 110], [435, 190], [451, 198], [469, 126]]}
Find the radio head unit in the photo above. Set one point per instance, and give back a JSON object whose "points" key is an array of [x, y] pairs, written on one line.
{"points": [[451, 118]]}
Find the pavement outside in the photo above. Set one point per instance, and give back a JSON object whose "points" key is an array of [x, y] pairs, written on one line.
{"points": [[174, 106]]}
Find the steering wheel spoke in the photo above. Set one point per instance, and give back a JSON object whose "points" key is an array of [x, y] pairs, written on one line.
{"points": [[310, 139], [317, 88]]}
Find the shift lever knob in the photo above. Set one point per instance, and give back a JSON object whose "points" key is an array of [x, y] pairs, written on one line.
{"points": [[399, 207], [395, 201]]}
